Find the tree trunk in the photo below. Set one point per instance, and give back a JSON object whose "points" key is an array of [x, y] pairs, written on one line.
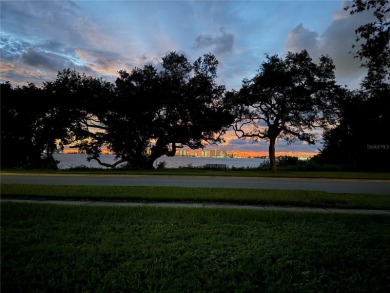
{"points": [[272, 159]]}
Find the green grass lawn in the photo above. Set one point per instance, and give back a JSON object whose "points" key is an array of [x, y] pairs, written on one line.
{"points": [[231, 173], [301, 198], [50, 248]]}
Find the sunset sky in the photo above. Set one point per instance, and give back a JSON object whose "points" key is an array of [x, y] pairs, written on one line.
{"points": [[40, 38]]}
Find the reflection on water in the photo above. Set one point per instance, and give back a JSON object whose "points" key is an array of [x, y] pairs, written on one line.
{"points": [[76, 160]]}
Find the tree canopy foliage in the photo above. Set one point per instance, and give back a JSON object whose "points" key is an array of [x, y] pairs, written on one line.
{"points": [[361, 139], [287, 98], [146, 114], [18, 120], [31, 121], [373, 41], [151, 111]]}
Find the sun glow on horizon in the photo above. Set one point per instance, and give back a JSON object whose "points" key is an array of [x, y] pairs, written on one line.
{"points": [[216, 153]]}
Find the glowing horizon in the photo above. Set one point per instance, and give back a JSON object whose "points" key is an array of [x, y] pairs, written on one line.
{"points": [[236, 153]]}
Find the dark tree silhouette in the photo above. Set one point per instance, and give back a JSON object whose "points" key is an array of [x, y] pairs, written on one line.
{"points": [[77, 100], [373, 41], [17, 119], [151, 113], [287, 99], [29, 127], [146, 114], [361, 139]]}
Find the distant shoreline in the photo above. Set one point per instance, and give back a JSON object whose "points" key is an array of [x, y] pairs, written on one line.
{"points": [[227, 154]]}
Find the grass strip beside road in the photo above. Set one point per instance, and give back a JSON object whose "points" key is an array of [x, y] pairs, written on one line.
{"points": [[301, 198], [229, 173], [48, 248]]}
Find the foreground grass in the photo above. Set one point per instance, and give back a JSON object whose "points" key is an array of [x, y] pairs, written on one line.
{"points": [[229, 173], [301, 198], [49, 248]]}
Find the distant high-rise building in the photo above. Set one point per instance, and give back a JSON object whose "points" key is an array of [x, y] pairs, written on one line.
{"points": [[182, 153]]}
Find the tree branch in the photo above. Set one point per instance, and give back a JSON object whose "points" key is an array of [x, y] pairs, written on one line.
{"points": [[96, 158], [241, 133]]}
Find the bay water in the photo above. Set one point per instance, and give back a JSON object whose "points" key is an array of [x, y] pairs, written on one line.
{"points": [[67, 161]]}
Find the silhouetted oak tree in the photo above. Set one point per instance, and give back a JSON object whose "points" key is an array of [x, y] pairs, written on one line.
{"points": [[77, 100], [150, 113], [287, 99], [20, 121], [32, 121]]}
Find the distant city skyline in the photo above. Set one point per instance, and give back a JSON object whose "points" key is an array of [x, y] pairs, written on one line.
{"points": [[215, 153], [99, 38]]}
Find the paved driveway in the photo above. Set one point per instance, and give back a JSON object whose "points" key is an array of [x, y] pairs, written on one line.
{"points": [[329, 185]]}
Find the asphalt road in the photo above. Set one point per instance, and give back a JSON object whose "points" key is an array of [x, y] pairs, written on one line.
{"points": [[328, 185]]}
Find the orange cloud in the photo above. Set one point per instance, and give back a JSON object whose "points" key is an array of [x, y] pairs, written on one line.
{"points": [[20, 76]]}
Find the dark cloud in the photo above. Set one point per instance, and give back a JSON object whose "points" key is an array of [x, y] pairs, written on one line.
{"points": [[45, 21], [339, 37], [51, 56], [106, 58], [246, 145], [37, 58], [56, 46], [238, 142], [300, 38], [53, 35], [49, 61], [17, 75], [99, 60], [263, 144], [336, 41], [220, 43]]}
